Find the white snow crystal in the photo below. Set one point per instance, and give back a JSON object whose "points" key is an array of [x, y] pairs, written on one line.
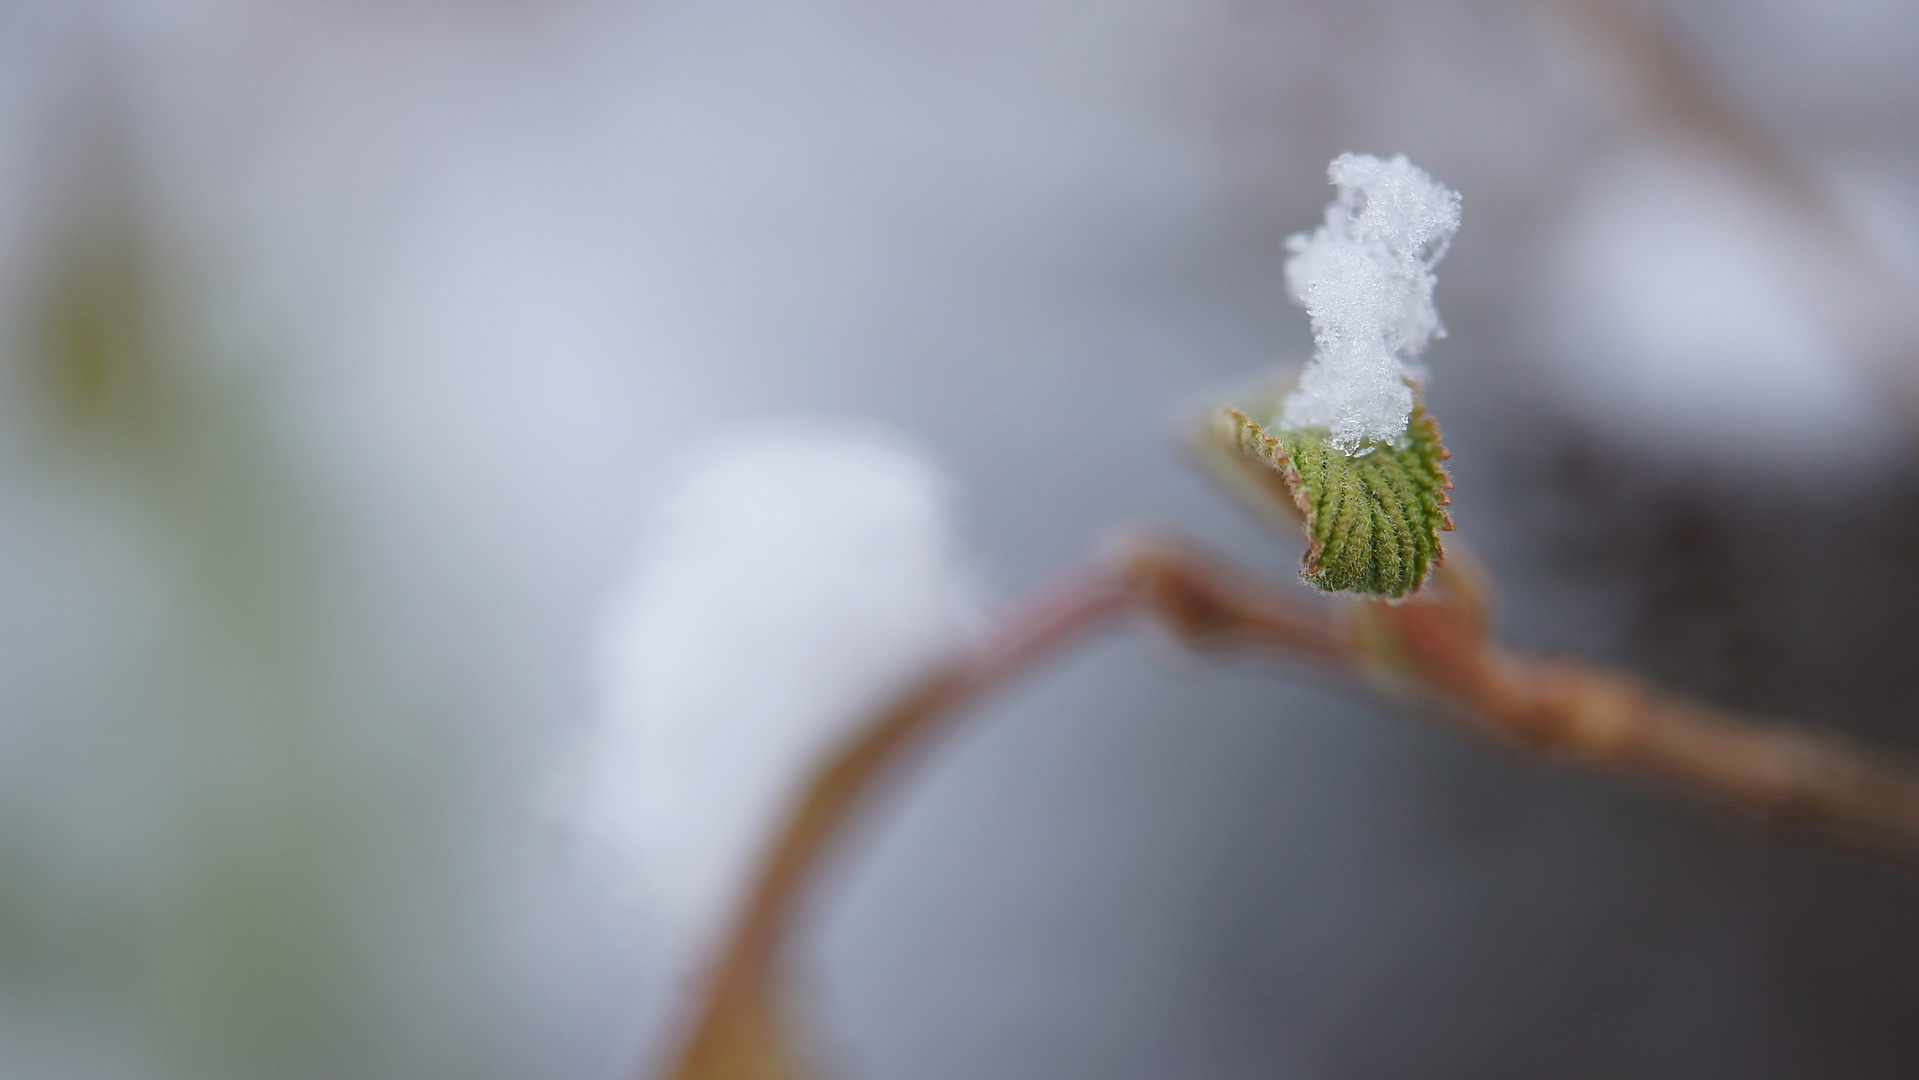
{"points": [[789, 584], [1366, 278]]}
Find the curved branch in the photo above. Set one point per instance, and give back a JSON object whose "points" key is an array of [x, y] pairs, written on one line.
{"points": [[1434, 650], [739, 1033]]}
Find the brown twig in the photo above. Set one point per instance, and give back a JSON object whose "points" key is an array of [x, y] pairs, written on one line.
{"points": [[1434, 649], [1865, 298], [1437, 650], [1673, 91], [739, 1033]]}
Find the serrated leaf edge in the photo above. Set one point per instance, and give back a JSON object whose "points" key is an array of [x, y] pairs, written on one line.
{"points": [[1255, 441]]}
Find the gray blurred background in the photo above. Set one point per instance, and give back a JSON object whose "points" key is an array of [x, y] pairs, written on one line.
{"points": [[344, 343]]}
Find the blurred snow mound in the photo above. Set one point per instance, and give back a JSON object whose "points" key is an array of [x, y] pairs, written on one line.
{"points": [[1688, 311], [789, 583]]}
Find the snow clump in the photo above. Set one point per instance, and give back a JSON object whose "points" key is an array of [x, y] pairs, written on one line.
{"points": [[1366, 278]]}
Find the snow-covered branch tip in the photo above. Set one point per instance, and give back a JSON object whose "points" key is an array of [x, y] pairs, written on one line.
{"points": [[1358, 455]]}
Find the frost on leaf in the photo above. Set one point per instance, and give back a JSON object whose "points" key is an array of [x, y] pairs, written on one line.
{"points": [[1366, 279], [1373, 521]]}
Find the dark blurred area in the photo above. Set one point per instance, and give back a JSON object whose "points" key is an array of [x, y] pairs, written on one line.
{"points": [[345, 345]]}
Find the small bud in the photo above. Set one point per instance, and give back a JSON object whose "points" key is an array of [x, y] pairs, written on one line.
{"points": [[1373, 521]]}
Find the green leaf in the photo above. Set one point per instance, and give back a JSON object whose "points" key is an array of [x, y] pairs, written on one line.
{"points": [[1372, 521]]}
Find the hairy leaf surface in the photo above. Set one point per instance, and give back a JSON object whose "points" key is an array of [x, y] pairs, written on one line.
{"points": [[1372, 521]]}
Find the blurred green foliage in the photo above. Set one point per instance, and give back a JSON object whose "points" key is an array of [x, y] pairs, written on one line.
{"points": [[239, 853]]}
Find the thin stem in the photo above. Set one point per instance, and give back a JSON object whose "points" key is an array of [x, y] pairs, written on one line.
{"points": [[739, 1034], [1865, 298], [1434, 650]]}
